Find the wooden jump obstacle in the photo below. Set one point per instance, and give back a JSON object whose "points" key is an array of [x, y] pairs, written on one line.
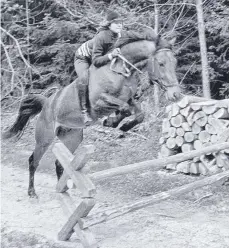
{"points": [[73, 166], [78, 219]]}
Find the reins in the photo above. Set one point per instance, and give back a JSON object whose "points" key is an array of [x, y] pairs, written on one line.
{"points": [[127, 72], [125, 61], [128, 62]]}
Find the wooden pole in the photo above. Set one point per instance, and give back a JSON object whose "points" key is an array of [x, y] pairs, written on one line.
{"points": [[157, 163], [116, 212]]}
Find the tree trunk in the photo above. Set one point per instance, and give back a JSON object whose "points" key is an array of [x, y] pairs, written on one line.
{"points": [[156, 27], [28, 43], [203, 49]]}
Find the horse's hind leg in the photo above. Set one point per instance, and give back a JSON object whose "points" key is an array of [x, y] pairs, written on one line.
{"points": [[34, 160], [59, 169], [44, 137], [71, 139]]}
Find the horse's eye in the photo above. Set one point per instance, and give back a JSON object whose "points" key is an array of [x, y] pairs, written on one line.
{"points": [[161, 64]]}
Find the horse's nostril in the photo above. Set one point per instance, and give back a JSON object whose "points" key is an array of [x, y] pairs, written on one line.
{"points": [[177, 95]]}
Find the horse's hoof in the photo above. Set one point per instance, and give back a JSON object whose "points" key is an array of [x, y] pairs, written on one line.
{"points": [[106, 123], [87, 119], [88, 123], [32, 194], [125, 112], [125, 127]]}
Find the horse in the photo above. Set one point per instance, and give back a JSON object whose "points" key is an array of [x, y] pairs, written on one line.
{"points": [[109, 92]]}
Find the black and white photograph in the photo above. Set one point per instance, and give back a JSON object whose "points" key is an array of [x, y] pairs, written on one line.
{"points": [[114, 123]]}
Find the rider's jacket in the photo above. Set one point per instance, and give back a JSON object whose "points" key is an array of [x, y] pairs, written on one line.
{"points": [[97, 48], [103, 43], [85, 50]]}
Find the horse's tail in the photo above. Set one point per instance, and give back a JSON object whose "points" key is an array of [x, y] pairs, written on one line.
{"points": [[30, 106]]}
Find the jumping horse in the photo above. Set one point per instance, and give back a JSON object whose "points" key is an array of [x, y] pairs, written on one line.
{"points": [[109, 92]]}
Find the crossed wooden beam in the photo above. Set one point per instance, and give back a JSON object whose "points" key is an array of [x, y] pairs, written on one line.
{"points": [[73, 169]]}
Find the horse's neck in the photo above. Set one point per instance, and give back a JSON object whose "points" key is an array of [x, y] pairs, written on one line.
{"points": [[138, 50]]}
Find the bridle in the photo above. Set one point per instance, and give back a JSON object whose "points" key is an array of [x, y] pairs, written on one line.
{"points": [[157, 79], [127, 72]]}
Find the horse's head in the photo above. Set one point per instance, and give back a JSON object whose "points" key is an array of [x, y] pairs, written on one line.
{"points": [[162, 69]]}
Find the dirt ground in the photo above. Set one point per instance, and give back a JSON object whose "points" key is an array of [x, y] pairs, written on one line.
{"points": [[195, 220]]}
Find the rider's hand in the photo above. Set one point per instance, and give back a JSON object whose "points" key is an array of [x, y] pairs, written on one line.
{"points": [[114, 53]]}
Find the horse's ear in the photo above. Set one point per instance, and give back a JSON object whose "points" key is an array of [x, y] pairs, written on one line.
{"points": [[172, 41]]}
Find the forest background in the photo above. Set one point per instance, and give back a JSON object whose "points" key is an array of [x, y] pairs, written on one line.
{"points": [[39, 39]]}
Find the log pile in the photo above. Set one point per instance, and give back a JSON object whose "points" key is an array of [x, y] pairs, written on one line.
{"points": [[194, 123]]}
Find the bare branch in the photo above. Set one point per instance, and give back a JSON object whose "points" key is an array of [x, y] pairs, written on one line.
{"points": [[178, 18], [64, 5], [78, 15], [18, 46], [11, 67], [28, 43], [168, 19], [176, 4], [187, 72]]}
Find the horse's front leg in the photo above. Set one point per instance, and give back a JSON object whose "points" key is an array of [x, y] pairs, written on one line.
{"points": [[137, 118], [112, 104]]}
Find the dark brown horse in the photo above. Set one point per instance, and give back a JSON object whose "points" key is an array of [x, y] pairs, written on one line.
{"points": [[109, 92]]}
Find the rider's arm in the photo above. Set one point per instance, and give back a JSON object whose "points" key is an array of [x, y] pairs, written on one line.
{"points": [[98, 57]]}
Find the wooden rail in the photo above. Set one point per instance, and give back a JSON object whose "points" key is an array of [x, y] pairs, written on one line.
{"points": [[119, 211], [156, 163]]}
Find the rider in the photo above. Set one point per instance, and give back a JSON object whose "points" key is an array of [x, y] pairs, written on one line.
{"points": [[95, 51]]}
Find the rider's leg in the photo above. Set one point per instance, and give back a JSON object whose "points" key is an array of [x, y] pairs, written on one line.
{"points": [[82, 67], [83, 95]]}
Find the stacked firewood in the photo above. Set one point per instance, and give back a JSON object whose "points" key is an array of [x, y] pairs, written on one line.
{"points": [[194, 123]]}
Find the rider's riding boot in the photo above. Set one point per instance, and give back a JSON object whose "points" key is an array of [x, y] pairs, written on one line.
{"points": [[83, 91]]}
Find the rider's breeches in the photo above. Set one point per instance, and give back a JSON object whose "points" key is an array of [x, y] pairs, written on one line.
{"points": [[82, 65]]}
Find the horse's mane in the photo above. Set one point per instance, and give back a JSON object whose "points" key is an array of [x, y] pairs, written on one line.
{"points": [[163, 43], [130, 36], [150, 36]]}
